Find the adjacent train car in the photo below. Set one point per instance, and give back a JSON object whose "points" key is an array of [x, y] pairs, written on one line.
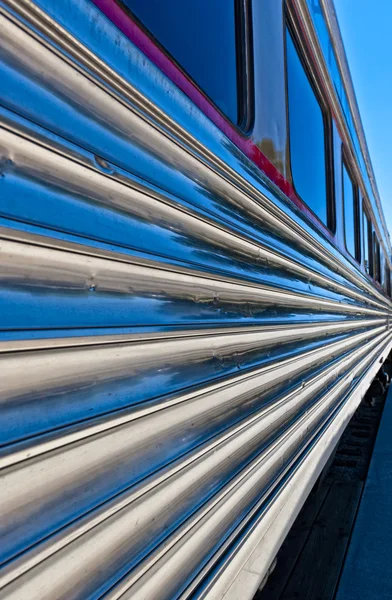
{"points": [[195, 289]]}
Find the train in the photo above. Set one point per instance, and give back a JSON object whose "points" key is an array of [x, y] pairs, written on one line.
{"points": [[195, 289]]}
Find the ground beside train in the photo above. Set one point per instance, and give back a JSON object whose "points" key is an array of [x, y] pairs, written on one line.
{"points": [[340, 545]]}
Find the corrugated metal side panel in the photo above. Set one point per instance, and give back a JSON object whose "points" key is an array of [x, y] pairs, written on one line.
{"points": [[179, 351]]}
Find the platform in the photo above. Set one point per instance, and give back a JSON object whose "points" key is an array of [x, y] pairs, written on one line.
{"points": [[367, 572], [311, 560]]}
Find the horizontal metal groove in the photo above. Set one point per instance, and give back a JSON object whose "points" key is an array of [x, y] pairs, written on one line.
{"points": [[228, 501], [264, 209], [49, 481], [316, 381], [259, 380], [64, 385], [306, 330], [206, 530], [52, 270], [31, 159], [24, 241], [257, 546]]}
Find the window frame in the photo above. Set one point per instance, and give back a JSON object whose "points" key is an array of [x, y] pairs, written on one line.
{"points": [[330, 225], [244, 64], [382, 264], [245, 141], [357, 221], [369, 241], [376, 259]]}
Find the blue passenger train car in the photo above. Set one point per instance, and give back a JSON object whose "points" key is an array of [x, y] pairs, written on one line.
{"points": [[195, 289]]}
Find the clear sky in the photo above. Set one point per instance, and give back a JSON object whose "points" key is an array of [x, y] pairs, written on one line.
{"points": [[367, 36]]}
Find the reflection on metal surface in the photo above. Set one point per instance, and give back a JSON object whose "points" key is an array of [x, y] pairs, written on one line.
{"points": [[179, 350]]}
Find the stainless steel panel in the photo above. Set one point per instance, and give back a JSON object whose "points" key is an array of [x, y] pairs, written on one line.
{"points": [[179, 348]]}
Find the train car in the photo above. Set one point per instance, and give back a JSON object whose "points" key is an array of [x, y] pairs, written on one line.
{"points": [[195, 289]]}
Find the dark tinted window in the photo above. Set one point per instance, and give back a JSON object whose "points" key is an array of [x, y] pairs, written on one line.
{"points": [[200, 35], [377, 259], [307, 136], [367, 244], [351, 225], [388, 280]]}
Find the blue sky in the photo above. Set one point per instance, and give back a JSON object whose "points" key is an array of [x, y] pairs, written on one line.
{"points": [[366, 31]]}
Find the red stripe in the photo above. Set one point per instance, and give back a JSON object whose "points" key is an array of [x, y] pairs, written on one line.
{"points": [[124, 22]]}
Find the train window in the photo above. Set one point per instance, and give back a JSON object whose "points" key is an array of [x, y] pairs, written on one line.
{"points": [[201, 37], [351, 221], [388, 280], [307, 131], [377, 259], [367, 243]]}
